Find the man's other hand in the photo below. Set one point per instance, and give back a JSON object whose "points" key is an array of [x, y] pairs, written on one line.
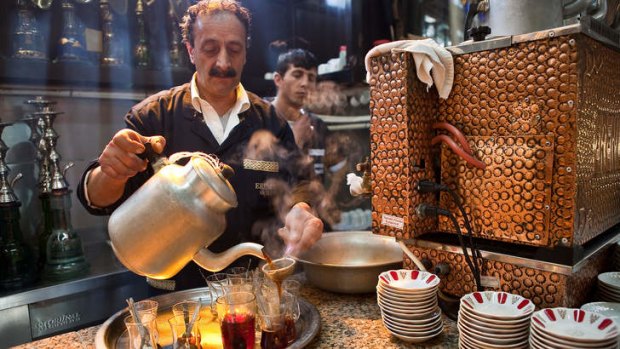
{"points": [[302, 229]]}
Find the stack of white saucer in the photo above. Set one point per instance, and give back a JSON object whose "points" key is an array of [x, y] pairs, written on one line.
{"points": [[408, 302], [609, 286], [495, 320], [572, 328]]}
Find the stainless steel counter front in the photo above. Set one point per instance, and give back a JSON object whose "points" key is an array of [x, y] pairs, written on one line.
{"points": [[49, 308]]}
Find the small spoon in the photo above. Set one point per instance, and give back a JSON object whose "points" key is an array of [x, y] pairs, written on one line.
{"points": [[190, 325], [144, 332]]}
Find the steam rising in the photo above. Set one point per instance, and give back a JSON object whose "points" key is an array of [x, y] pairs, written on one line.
{"points": [[264, 146]]}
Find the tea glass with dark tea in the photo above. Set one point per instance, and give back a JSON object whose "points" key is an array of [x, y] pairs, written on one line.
{"points": [[278, 311], [236, 313]]}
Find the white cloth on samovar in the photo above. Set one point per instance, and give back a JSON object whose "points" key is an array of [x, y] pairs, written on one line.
{"points": [[433, 62], [355, 184]]}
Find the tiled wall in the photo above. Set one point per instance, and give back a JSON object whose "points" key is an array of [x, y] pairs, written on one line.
{"points": [[89, 121]]}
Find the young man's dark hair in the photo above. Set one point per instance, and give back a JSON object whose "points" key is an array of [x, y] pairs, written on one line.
{"points": [[297, 58]]}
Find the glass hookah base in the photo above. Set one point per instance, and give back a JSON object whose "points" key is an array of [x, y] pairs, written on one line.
{"points": [[65, 271]]}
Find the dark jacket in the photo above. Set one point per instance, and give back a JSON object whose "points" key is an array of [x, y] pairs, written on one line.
{"points": [[316, 149], [170, 114]]}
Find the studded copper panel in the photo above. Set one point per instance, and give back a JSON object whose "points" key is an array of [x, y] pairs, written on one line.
{"points": [[510, 199], [563, 87], [546, 289], [400, 127], [525, 89], [598, 137]]}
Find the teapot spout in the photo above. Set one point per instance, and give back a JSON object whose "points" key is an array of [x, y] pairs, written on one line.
{"points": [[218, 261]]}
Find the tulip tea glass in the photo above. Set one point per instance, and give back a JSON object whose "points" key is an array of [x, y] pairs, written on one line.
{"points": [[185, 335], [216, 283], [273, 331], [278, 314], [146, 306], [186, 309], [142, 334], [236, 313], [239, 280]]}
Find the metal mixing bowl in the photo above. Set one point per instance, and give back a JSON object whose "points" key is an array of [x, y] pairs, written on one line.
{"points": [[351, 261]]}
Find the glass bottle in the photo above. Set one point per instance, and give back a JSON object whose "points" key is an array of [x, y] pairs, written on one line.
{"points": [[70, 46], [28, 40], [65, 257]]}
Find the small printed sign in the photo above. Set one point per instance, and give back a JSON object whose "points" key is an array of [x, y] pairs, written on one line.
{"points": [[392, 221]]}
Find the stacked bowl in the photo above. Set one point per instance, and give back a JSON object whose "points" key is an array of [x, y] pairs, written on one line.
{"points": [[609, 309], [572, 328], [408, 302], [609, 286], [495, 320]]}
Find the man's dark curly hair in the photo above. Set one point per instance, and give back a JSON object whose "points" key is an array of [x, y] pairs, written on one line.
{"points": [[209, 7], [298, 57]]}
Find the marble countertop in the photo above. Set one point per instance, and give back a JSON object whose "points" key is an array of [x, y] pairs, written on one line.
{"points": [[347, 321]]}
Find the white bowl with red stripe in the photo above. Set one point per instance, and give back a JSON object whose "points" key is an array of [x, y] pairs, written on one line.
{"points": [[409, 296], [408, 303], [498, 305], [477, 320], [543, 340], [575, 325], [494, 320], [383, 298], [409, 281]]}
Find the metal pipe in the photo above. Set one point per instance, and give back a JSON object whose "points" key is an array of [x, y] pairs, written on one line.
{"points": [[574, 8], [455, 132], [459, 151]]}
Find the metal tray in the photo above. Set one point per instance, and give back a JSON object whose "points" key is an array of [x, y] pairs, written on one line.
{"points": [[112, 333]]}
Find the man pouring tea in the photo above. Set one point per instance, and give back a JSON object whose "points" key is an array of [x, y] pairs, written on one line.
{"points": [[213, 114]]}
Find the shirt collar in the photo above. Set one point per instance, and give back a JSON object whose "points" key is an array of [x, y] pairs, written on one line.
{"points": [[241, 104]]}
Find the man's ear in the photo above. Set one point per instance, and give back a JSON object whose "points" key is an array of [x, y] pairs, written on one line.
{"points": [[277, 79], [190, 52]]}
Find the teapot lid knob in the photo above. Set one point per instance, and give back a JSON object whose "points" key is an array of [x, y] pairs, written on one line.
{"points": [[226, 171]]}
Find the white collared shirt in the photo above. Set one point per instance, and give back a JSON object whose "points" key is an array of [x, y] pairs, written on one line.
{"points": [[220, 125]]}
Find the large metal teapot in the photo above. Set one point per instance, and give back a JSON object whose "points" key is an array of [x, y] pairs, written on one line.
{"points": [[172, 218]]}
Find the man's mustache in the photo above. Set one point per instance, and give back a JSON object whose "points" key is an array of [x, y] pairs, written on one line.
{"points": [[219, 73]]}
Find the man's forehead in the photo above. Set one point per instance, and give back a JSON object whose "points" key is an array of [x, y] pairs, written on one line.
{"points": [[224, 20], [292, 68]]}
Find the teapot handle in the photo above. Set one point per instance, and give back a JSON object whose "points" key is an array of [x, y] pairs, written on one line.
{"points": [[156, 161]]}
